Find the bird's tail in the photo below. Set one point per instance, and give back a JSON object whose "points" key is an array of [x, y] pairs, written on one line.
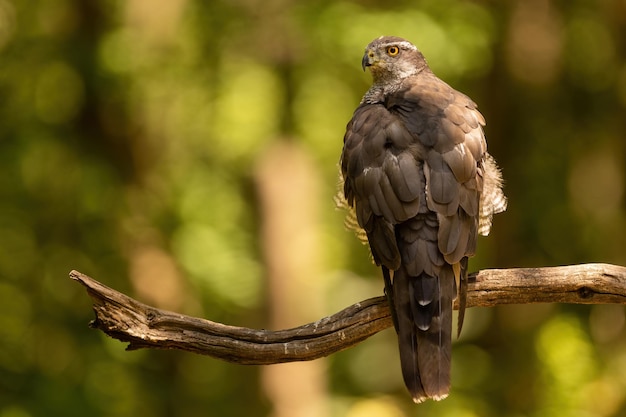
{"points": [[423, 307]]}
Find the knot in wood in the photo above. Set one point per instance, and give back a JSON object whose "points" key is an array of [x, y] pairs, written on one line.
{"points": [[151, 315], [585, 293]]}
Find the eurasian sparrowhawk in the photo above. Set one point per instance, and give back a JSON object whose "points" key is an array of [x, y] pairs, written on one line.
{"points": [[418, 177]]}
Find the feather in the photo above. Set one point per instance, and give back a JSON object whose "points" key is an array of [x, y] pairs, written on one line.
{"points": [[400, 211], [475, 143], [461, 163], [374, 146], [462, 295], [455, 114], [412, 175], [449, 231], [410, 259], [492, 200], [435, 256], [424, 265], [472, 239], [397, 134], [460, 249], [468, 200], [433, 197], [404, 179], [428, 132], [442, 186], [383, 244], [362, 119], [452, 131]]}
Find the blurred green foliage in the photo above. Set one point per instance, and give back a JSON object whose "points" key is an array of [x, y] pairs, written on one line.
{"points": [[129, 134]]}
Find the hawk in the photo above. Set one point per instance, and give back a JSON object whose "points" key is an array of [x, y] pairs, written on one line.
{"points": [[418, 178]]}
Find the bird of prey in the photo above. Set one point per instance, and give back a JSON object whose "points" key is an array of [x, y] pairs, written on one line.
{"points": [[418, 178]]}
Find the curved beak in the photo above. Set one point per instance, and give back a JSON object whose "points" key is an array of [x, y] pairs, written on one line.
{"points": [[367, 59]]}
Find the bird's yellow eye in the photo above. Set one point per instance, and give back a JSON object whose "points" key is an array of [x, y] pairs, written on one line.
{"points": [[392, 50]]}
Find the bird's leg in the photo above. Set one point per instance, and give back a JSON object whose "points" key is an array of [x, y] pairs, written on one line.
{"points": [[389, 295]]}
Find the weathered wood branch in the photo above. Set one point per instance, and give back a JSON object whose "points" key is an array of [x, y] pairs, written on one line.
{"points": [[142, 326]]}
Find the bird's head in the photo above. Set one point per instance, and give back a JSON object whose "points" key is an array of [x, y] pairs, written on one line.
{"points": [[391, 58]]}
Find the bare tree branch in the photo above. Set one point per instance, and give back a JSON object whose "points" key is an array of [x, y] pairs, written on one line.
{"points": [[142, 326]]}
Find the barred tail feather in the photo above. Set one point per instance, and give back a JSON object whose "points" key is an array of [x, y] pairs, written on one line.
{"points": [[423, 307]]}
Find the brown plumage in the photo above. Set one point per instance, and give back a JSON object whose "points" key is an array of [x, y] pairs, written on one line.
{"points": [[417, 174]]}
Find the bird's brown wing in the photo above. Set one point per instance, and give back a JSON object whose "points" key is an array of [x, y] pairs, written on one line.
{"points": [[449, 126], [413, 171], [382, 182]]}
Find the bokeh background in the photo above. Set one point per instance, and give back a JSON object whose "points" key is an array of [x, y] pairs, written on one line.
{"points": [[185, 152]]}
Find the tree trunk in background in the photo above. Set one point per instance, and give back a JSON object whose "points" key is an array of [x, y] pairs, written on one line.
{"points": [[289, 195]]}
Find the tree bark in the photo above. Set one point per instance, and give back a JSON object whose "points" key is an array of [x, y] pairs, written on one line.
{"points": [[142, 326]]}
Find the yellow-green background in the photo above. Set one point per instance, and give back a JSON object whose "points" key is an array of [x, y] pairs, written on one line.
{"points": [[134, 139]]}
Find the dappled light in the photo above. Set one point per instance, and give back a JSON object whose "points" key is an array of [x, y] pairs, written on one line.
{"points": [[567, 364]]}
